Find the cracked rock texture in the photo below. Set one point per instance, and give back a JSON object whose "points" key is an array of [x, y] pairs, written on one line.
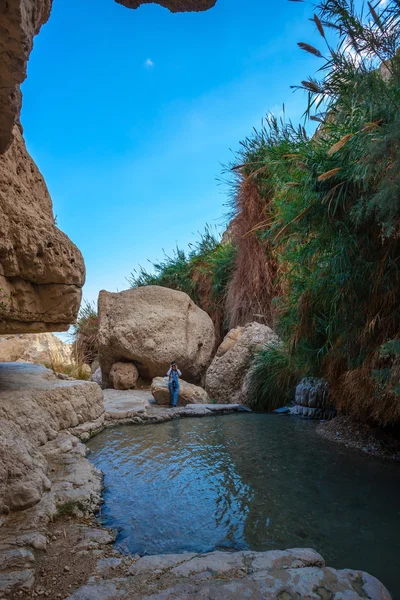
{"points": [[276, 575], [152, 326], [34, 407], [41, 270]]}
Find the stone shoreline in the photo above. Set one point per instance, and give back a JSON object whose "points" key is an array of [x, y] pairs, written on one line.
{"points": [[38, 541]]}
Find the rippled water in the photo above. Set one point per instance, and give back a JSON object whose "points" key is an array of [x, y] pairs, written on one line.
{"points": [[249, 481]]}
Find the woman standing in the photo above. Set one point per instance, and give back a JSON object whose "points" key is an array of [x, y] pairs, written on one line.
{"points": [[173, 383]]}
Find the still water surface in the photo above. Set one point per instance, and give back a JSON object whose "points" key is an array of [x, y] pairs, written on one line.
{"points": [[250, 481]]}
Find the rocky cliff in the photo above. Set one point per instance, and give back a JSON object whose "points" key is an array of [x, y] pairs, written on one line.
{"points": [[41, 270]]}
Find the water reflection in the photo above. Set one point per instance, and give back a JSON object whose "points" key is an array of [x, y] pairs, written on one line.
{"points": [[249, 482]]}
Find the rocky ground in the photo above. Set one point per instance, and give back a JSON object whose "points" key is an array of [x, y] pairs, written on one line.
{"points": [[81, 564], [360, 436]]}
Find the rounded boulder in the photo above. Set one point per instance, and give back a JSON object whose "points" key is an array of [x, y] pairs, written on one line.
{"points": [[151, 327]]}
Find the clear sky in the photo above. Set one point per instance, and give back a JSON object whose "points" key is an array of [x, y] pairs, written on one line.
{"points": [[130, 114]]}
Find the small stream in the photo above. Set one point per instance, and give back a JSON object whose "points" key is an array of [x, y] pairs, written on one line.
{"points": [[250, 481]]}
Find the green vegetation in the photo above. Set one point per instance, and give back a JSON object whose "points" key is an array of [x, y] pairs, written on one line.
{"points": [[85, 332], [335, 210], [70, 508], [272, 378], [203, 273], [315, 234]]}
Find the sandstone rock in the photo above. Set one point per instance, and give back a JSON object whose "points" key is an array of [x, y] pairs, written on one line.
{"points": [[20, 21], [42, 348], [188, 393], [124, 376], [41, 270], [225, 379], [22, 469], [151, 326], [34, 407], [173, 5]]}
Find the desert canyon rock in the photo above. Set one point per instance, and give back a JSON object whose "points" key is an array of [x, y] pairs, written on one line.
{"points": [[225, 379], [40, 348], [152, 326], [41, 270]]}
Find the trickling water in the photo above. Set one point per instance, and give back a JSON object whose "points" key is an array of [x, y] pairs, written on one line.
{"points": [[249, 481]]}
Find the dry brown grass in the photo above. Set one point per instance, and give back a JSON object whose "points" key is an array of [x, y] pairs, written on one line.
{"points": [[253, 285], [75, 368], [364, 397]]}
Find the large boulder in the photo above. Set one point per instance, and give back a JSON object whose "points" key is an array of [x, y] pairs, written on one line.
{"points": [[152, 326], [42, 348], [124, 376], [225, 379], [188, 393], [41, 270]]}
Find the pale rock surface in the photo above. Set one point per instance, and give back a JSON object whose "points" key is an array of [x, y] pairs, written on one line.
{"points": [[124, 376], [97, 376], [188, 392], [40, 348], [225, 378], [293, 574], [34, 406], [151, 326], [41, 270]]}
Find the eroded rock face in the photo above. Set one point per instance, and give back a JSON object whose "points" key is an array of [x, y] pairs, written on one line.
{"points": [[225, 379], [41, 270], [34, 407], [124, 376], [41, 348], [20, 21], [152, 326], [188, 393]]}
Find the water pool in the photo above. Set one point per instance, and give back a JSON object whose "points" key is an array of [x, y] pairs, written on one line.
{"points": [[249, 481]]}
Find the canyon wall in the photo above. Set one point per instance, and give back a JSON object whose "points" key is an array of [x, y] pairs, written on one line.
{"points": [[41, 270]]}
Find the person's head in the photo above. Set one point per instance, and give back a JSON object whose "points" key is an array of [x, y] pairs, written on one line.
{"points": [[174, 366]]}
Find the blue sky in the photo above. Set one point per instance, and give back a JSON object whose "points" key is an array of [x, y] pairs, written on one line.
{"points": [[130, 114]]}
